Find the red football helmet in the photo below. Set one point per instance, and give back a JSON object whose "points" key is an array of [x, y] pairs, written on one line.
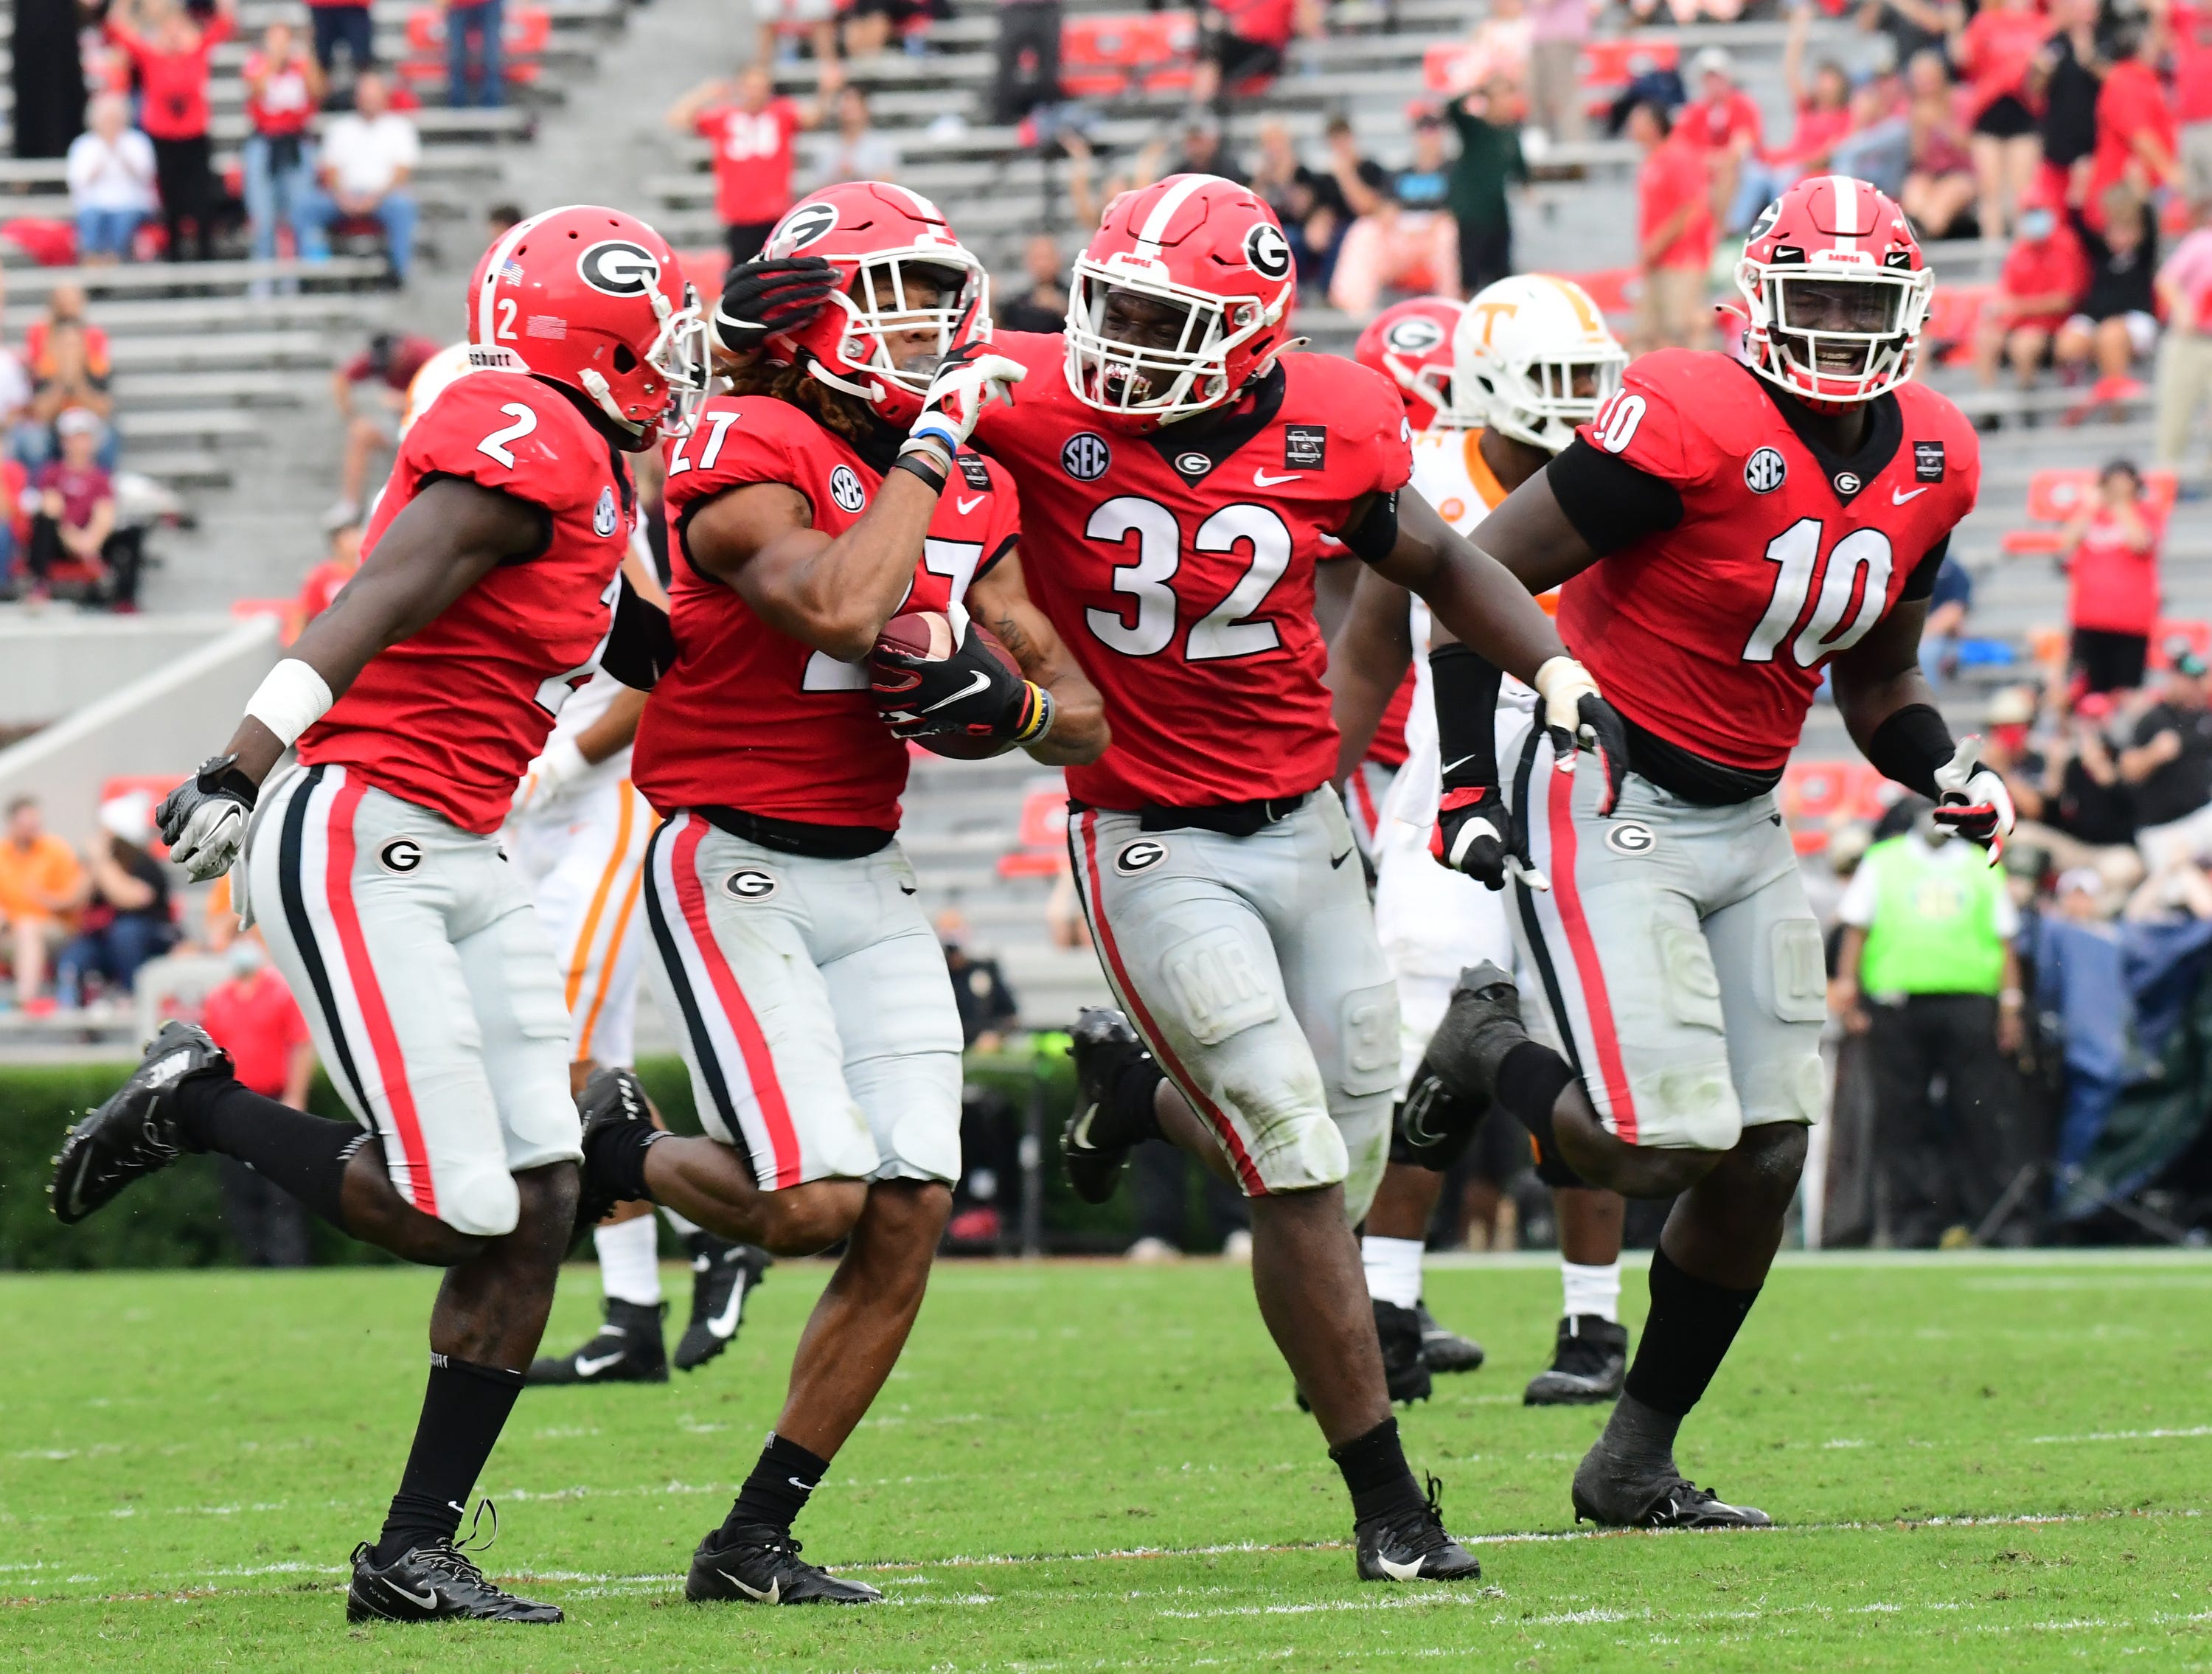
{"points": [[1197, 277], [1838, 291], [885, 241], [1411, 345], [594, 299]]}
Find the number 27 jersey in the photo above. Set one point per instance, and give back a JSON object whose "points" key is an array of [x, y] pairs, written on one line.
{"points": [[1711, 632]]}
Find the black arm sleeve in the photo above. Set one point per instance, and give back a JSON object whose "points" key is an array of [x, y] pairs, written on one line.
{"points": [[1610, 502], [1921, 583], [1464, 685], [1376, 535], [641, 646], [1910, 746]]}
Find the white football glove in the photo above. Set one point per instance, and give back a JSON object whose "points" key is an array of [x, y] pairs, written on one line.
{"points": [[549, 777], [968, 381], [204, 819], [1973, 800], [1579, 718]]}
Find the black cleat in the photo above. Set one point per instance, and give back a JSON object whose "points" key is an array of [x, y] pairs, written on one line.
{"points": [[1613, 1497], [431, 1583], [1405, 1369], [610, 1099], [1412, 1545], [761, 1565], [1589, 1366], [1480, 1028], [627, 1350], [723, 1276], [132, 1134], [1446, 1350], [1102, 1044]]}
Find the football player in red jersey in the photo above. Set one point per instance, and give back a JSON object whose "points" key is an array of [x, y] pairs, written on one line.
{"points": [[488, 588], [1724, 532], [830, 493], [1180, 475]]}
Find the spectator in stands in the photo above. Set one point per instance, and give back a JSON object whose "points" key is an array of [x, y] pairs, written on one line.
{"points": [[1822, 107], [1724, 123], [1201, 151], [1042, 304], [370, 392], [1912, 26], [74, 522], [284, 90], [41, 886], [126, 918], [66, 356], [783, 23], [2184, 380], [2116, 324], [2085, 800], [253, 1017], [476, 74], [500, 218], [1948, 606], [2111, 557], [859, 151], [343, 23], [46, 76], [987, 1005], [111, 182], [1994, 52], [1297, 195], [1926, 971], [1027, 59], [749, 127], [1499, 49], [2170, 764], [1675, 233], [1244, 43], [1650, 83], [2189, 39], [1940, 186], [1489, 162], [1877, 146], [2044, 279], [2136, 135], [1408, 240], [870, 26], [2067, 77], [170, 53], [1559, 31], [327, 579], [367, 156]]}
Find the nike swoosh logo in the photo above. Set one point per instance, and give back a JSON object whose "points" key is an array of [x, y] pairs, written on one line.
{"points": [[593, 1367], [1899, 496], [976, 682], [1461, 762], [1261, 479], [427, 1601], [1400, 1571], [724, 1323], [772, 1596], [1335, 861], [967, 506]]}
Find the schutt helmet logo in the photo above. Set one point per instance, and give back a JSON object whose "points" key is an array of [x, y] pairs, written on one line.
{"points": [[619, 268]]}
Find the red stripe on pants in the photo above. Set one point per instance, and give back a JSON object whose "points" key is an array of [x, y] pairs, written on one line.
{"points": [[369, 995], [1224, 1129], [1588, 970], [752, 1044]]}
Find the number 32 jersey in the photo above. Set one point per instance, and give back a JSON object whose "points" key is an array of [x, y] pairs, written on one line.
{"points": [[1179, 567], [450, 717], [1711, 632]]}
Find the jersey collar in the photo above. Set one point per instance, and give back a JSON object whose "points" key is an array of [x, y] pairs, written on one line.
{"points": [[1479, 473], [1847, 475], [1213, 438]]}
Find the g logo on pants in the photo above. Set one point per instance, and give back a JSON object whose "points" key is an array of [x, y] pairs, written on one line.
{"points": [[401, 855], [1141, 855], [750, 884]]}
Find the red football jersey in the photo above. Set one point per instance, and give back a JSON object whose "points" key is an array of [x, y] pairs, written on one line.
{"points": [[1712, 634], [1179, 567], [449, 719], [751, 718]]}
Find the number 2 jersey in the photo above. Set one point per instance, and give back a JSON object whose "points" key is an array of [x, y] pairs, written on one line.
{"points": [[1178, 565], [1740, 554], [750, 718], [448, 718]]}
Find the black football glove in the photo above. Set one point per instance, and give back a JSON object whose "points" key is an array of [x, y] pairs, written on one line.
{"points": [[767, 295], [1473, 834], [970, 693], [204, 819]]}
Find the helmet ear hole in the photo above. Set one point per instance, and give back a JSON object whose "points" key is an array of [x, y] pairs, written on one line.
{"points": [[625, 361]]}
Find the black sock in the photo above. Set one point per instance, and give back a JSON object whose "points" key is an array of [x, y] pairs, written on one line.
{"points": [[1529, 1082], [464, 1410], [1692, 1323], [305, 1156], [1127, 1114], [1374, 1469], [777, 1490], [615, 1157]]}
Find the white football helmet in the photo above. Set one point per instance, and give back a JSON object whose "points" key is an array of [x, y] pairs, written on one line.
{"points": [[1532, 358]]}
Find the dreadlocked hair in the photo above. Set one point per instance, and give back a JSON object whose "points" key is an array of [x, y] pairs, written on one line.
{"points": [[833, 410]]}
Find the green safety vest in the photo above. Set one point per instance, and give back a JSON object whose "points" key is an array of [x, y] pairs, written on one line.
{"points": [[1935, 927]]}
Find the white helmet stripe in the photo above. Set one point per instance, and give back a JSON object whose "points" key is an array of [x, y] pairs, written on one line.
{"points": [[1847, 209], [501, 252], [1163, 215], [928, 210]]}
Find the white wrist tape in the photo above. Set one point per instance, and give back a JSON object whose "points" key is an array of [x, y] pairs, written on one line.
{"points": [[292, 699], [562, 764]]}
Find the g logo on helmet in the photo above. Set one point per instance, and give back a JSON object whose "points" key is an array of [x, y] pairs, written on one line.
{"points": [[802, 227], [616, 267], [844, 489], [1416, 334], [1267, 250]]}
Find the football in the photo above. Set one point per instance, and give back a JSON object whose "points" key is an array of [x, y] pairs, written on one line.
{"points": [[928, 636]]}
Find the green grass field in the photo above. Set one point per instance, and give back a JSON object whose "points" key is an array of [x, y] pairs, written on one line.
{"points": [[1977, 1464]]}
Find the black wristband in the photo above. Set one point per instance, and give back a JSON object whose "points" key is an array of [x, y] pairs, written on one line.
{"points": [[1464, 685], [1911, 745], [908, 463]]}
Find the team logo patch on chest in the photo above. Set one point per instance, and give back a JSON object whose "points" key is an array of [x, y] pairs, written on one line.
{"points": [[1766, 471], [1142, 855], [602, 515], [751, 884], [844, 489], [1305, 447], [1848, 483], [1193, 465], [1084, 456]]}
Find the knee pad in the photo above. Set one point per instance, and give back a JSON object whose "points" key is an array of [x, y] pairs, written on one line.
{"points": [[483, 1202], [1553, 1169], [1218, 988]]}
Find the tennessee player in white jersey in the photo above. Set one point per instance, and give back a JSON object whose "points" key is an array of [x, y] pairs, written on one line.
{"points": [[1531, 358]]}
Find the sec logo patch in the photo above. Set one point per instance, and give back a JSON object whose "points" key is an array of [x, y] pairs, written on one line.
{"points": [[844, 489], [1766, 471], [1626, 836], [749, 884], [1141, 855], [1084, 456]]}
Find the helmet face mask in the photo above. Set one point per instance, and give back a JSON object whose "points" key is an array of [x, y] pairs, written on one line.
{"points": [[1533, 359]]}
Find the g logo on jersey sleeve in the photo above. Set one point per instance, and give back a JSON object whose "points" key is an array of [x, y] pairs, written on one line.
{"points": [[617, 267], [844, 489]]}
